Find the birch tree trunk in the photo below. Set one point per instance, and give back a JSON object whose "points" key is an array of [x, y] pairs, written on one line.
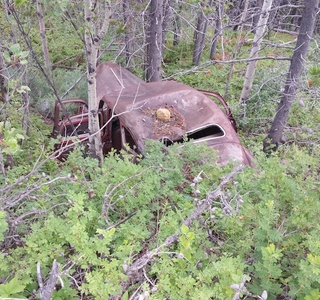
{"points": [[254, 53], [93, 38], [155, 41], [42, 28], [271, 142]]}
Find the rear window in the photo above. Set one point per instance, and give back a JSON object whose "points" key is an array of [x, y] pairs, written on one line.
{"points": [[204, 133], [211, 131]]}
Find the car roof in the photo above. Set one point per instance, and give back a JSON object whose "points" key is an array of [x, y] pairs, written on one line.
{"points": [[112, 77], [136, 103]]}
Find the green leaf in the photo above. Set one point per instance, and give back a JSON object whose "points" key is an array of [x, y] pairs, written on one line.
{"points": [[15, 49], [23, 54], [184, 229], [7, 56], [12, 287], [12, 143], [19, 136], [314, 295], [20, 2], [23, 89], [125, 296]]}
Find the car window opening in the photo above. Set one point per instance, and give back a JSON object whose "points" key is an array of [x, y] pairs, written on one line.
{"points": [[116, 134], [208, 132], [129, 139], [81, 128]]}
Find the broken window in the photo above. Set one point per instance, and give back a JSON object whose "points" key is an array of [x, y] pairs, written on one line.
{"points": [[211, 131], [205, 133], [128, 139]]}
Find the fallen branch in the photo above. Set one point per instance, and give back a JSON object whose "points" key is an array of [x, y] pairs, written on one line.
{"points": [[231, 61], [239, 289], [133, 271], [47, 289], [108, 193]]}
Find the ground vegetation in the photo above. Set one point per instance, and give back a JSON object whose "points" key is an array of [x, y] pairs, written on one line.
{"points": [[175, 225]]}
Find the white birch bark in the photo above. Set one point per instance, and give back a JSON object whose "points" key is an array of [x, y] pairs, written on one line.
{"points": [[93, 38], [256, 45]]}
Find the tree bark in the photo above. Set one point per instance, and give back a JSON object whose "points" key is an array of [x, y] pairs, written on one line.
{"points": [[155, 41], [166, 20], [25, 103], [199, 35], [177, 27], [237, 47], [44, 43], [47, 289], [128, 37], [93, 37], [271, 142], [218, 29], [255, 19], [254, 53], [3, 78]]}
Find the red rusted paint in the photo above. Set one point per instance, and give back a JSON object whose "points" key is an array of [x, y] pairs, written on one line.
{"points": [[126, 106]]}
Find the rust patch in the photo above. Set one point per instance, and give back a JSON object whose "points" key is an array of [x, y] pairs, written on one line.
{"points": [[173, 127]]}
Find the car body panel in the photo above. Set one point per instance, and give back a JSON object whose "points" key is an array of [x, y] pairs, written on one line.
{"points": [[128, 106]]}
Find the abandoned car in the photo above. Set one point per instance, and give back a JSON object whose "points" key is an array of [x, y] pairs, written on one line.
{"points": [[132, 111]]}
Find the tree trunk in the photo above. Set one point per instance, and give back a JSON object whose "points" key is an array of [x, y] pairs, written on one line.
{"points": [[155, 41], [128, 37], [255, 19], [177, 27], [199, 33], [218, 29], [3, 78], [254, 53], [93, 37], [235, 12], [271, 142], [2, 167], [237, 47], [166, 20], [47, 63], [25, 104]]}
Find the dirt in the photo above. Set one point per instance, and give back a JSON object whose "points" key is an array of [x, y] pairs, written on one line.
{"points": [[166, 128]]}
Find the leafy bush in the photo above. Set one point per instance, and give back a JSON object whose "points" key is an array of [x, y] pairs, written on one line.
{"points": [[98, 224]]}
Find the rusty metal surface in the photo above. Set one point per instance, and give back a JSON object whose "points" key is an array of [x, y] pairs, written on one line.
{"points": [[111, 77], [135, 102]]}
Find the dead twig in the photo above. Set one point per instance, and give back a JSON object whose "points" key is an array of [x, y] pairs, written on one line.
{"points": [[47, 289], [108, 193], [133, 271]]}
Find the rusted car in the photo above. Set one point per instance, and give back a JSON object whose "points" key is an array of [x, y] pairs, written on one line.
{"points": [[132, 111]]}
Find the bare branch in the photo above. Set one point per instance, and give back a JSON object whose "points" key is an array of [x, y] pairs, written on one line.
{"points": [[204, 205], [47, 289], [212, 62], [239, 289]]}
